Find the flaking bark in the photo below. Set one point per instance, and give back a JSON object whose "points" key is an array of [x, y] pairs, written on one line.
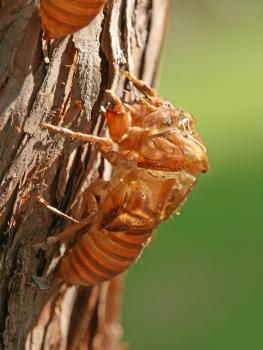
{"points": [[61, 82]]}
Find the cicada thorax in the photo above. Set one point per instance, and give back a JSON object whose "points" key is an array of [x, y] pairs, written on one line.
{"points": [[63, 17], [155, 143]]}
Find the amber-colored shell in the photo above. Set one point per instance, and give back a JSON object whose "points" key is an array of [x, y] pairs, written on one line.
{"points": [[157, 155], [63, 17]]}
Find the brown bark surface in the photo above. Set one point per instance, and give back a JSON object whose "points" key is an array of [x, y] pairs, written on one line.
{"points": [[62, 82]]}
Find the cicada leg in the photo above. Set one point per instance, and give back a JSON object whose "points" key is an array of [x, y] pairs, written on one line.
{"points": [[140, 84], [71, 230], [115, 101], [89, 201], [105, 143]]}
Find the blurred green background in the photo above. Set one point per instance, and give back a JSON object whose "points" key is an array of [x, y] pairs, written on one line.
{"points": [[199, 285]]}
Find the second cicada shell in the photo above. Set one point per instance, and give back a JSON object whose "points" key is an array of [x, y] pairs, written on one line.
{"points": [[63, 17]]}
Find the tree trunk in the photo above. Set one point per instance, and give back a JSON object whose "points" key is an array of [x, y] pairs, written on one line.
{"points": [[62, 82]]}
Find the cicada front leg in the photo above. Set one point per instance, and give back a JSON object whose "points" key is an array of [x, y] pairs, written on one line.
{"points": [[116, 115], [105, 143]]}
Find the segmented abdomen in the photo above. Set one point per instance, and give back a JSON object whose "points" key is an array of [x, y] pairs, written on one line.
{"points": [[123, 226], [62, 17], [101, 255]]}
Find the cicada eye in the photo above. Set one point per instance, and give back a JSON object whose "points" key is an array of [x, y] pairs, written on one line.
{"points": [[168, 104]]}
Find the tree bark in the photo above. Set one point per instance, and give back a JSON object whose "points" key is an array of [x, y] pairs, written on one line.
{"points": [[61, 82]]}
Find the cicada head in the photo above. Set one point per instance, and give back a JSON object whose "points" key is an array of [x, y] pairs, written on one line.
{"points": [[196, 160]]}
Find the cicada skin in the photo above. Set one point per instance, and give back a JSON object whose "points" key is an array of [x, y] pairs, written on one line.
{"points": [[63, 17], [157, 155], [134, 205]]}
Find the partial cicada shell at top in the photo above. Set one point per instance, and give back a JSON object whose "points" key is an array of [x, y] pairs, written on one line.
{"points": [[63, 17]]}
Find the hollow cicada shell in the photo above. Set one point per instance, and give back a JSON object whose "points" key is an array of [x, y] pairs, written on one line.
{"points": [[157, 155], [63, 17]]}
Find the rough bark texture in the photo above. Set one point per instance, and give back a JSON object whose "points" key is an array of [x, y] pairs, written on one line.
{"points": [[61, 82]]}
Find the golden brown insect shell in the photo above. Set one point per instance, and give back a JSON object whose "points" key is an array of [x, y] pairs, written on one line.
{"points": [[63, 17], [158, 157]]}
